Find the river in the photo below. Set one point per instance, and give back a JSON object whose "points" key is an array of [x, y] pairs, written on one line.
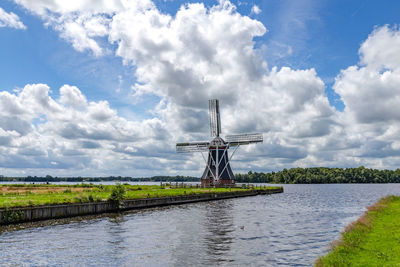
{"points": [[289, 229]]}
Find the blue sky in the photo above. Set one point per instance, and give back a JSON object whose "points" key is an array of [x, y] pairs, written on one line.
{"points": [[296, 36]]}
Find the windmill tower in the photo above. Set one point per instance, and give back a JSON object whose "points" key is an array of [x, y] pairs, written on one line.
{"points": [[218, 171]]}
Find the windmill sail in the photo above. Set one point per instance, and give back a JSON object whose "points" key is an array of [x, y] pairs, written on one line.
{"points": [[192, 147], [244, 139], [215, 119]]}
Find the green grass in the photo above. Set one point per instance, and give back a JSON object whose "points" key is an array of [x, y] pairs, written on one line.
{"points": [[373, 240], [31, 195]]}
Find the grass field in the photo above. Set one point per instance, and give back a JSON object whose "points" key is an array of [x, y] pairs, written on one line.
{"points": [[20, 195], [373, 240]]}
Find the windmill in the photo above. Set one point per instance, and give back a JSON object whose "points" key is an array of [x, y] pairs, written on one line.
{"points": [[218, 171]]}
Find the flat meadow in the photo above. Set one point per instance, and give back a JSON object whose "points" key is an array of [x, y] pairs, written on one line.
{"points": [[21, 195]]}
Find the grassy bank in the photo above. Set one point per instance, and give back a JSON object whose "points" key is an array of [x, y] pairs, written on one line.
{"points": [[373, 240], [20, 195]]}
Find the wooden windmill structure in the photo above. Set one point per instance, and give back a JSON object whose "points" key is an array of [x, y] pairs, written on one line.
{"points": [[218, 171]]}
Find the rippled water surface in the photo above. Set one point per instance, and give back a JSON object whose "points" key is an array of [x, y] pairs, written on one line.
{"points": [[289, 229]]}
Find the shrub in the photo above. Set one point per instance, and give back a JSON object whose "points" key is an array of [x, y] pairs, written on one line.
{"points": [[117, 195], [12, 216]]}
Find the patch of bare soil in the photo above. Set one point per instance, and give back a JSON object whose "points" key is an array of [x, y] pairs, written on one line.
{"points": [[40, 190]]}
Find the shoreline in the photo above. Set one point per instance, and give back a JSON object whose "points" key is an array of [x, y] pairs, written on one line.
{"points": [[372, 240], [45, 212]]}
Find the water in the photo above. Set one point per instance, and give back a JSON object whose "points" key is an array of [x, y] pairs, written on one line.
{"points": [[289, 229]]}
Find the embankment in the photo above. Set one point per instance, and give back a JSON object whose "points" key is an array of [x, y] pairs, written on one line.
{"points": [[45, 212], [372, 240]]}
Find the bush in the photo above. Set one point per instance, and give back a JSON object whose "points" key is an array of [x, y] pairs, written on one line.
{"points": [[10, 216], [117, 195]]}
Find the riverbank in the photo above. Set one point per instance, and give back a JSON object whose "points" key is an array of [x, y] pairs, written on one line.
{"points": [[24, 203], [372, 240]]}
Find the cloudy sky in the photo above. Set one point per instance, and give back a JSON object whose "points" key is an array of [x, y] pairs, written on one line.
{"points": [[95, 87]]}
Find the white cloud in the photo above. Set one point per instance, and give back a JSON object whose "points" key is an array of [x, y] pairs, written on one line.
{"points": [[381, 49], [10, 20], [72, 96], [82, 23], [69, 132], [255, 10], [371, 93]]}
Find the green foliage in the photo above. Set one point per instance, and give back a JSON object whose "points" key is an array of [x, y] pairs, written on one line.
{"points": [[322, 175], [117, 195], [11, 216]]}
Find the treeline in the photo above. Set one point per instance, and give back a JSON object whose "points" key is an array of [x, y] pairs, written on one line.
{"points": [[49, 178], [322, 175], [317, 175]]}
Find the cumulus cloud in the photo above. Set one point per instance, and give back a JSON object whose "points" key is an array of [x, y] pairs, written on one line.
{"points": [[371, 94], [10, 20], [69, 132], [371, 90], [185, 59], [82, 23]]}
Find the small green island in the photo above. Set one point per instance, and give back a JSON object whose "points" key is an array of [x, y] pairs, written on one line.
{"points": [[372, 240], [21, 195], [34, 202]]}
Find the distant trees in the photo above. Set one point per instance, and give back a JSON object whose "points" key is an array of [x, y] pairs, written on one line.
{"points": [[317, 175], [322, 175], [49, 178], [254, 177]]}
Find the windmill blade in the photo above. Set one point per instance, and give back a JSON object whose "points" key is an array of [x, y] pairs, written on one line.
{"points": [[244, 139], [192, 147], [215, 119]]}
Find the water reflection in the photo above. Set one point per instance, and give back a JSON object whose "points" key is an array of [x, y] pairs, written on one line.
{"points": [[115, 234], [219, 225]]}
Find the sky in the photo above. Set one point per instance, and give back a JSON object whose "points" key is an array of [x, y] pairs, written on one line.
{"points": [[99, 88]]}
